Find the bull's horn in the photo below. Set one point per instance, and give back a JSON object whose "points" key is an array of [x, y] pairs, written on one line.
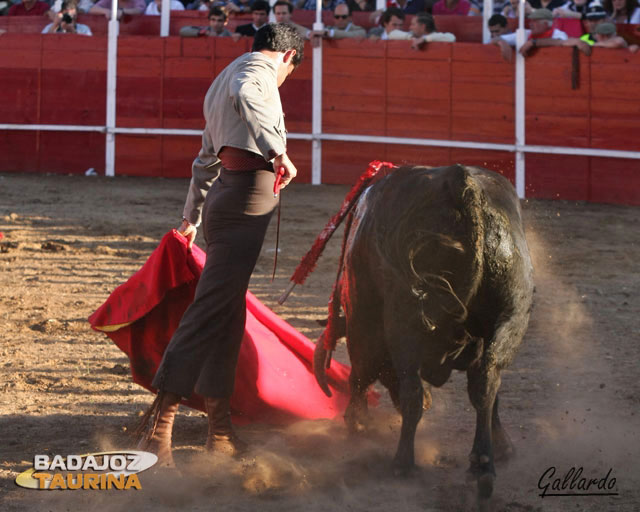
{"points": [[319, 366]]}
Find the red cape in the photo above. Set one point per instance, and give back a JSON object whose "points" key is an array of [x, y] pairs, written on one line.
{"points": [[274, 378]]}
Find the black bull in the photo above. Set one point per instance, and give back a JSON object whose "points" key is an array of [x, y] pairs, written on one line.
{"points": [[435, 276]]}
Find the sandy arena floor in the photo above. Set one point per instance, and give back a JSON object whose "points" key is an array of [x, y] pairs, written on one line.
{"points": [[571, 399]]}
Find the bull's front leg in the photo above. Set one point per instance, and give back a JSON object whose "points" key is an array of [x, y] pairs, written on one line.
{"points": [[483, 381], [410, 395]]}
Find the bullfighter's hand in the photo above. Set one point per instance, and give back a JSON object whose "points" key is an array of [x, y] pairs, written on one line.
{"points": [[290, 170], [189, 231]]}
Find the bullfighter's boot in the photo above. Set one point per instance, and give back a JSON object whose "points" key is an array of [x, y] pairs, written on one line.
{"points": [[157, 438], [221, 436]]}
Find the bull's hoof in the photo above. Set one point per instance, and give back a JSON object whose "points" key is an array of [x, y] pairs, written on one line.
{"points": [[357, 428], [485, 486]]}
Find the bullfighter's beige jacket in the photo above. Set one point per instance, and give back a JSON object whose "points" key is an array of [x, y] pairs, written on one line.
{"points": [[242, 109]]}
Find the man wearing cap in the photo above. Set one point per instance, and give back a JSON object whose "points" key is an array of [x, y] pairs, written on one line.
{"points": [[593, 16], [540, 34], [606, 36]]}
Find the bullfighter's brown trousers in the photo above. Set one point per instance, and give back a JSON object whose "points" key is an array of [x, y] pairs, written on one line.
{"points": [[203, 353]]}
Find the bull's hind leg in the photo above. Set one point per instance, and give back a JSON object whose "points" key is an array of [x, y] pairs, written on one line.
{"points": [[406, 362], [366, 355], [483, 381], [357, 414]]}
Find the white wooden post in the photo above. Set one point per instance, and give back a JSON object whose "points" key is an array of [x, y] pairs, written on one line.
{"points": [[520, 105], [316, 101], [112, 65]]}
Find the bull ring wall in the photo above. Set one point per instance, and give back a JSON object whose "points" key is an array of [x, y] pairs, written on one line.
{"points": [[379, 100]]}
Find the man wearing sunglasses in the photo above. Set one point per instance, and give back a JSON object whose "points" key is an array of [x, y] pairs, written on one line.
{"points": [[343, 27]]}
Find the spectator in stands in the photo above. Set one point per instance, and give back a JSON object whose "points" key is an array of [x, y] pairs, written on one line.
{"points": [[260, 16], [124, 7], [547, 4], [477, 7], [343, 26], [216, 28], [498, 25], [459, 7], [391, 19], [239, 6], [361, 5], [573, 9], [406, 6], [423, 30], [28, 8], [623, 11], [204, 5], [56, 7], [511, 9], [310, 5], [155, 7], [594, 15], [282, 10], [540, 34], [65, 22], [606, 36]]}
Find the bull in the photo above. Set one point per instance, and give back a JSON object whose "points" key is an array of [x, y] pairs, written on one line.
{"points": [[435, 275]]}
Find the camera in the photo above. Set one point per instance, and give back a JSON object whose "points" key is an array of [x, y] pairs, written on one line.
{"points": [[67, 18]]}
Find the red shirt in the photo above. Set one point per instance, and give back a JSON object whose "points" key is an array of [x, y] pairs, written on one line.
{"points": [[38, 9]]}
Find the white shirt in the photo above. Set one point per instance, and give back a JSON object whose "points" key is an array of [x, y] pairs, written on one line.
{"points": [[152, 8], [81, 29]]}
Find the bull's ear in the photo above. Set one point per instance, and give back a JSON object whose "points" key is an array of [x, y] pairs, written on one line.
{"points": [[323, 322]]}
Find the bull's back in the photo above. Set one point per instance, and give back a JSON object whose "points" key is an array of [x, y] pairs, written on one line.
{"points": [[439, 237]]}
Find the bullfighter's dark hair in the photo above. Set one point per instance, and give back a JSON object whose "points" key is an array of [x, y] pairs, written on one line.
{"points": [[279, 37], [497, 19], [288, 5], [389, 13], [261, 5]]}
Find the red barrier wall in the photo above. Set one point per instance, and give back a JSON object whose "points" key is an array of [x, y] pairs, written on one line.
{"points": [[457, 91]]}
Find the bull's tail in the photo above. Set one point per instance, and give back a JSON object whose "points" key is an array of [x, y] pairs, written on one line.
{"points": [[336, 325]]}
